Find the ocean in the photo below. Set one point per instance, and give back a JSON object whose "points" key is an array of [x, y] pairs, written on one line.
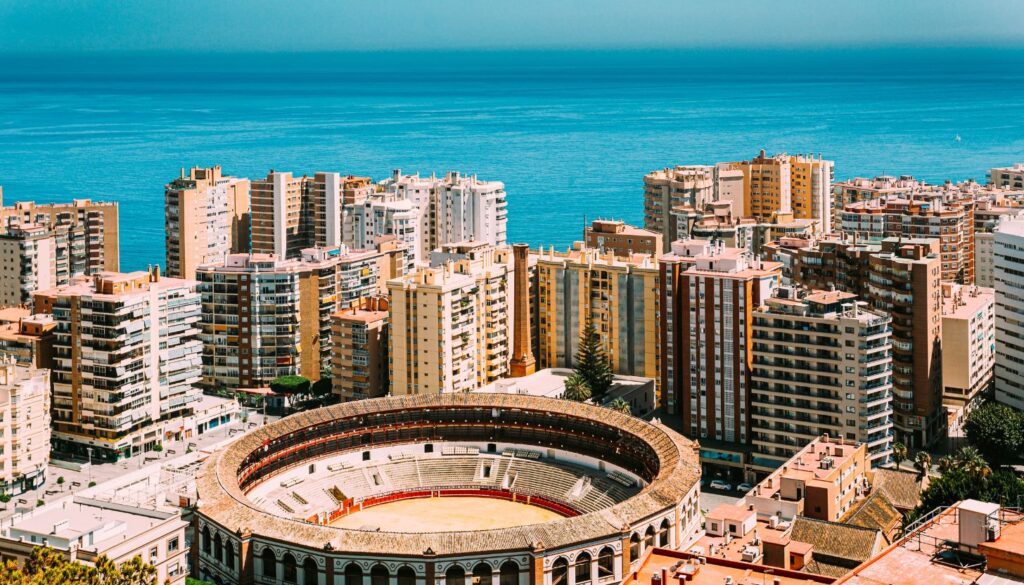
{"points": [[571, 134]]}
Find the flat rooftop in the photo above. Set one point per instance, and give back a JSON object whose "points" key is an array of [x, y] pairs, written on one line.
{"points": [[715, 572]]}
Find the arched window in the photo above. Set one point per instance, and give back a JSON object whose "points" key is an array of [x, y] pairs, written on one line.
{"points": [[379, 575], [206, 540], [455, 575], [634, 547], [269, 563], [482, 574], [509, 573], [663, 539], [310, 574], [605, 563], [583, 568], [291, 573], [229, 555], [649, 538], [218, 548], [560, 572], [353, 574], [406, 576]]}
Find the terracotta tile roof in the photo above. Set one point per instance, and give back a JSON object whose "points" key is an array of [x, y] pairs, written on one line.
{"points": [[901, 488], [836, 545], [876, 512]]}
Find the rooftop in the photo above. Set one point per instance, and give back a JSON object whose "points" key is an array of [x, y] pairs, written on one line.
{"points": [[699, 570]]}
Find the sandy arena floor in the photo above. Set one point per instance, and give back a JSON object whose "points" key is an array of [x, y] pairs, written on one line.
{"points": [[445, 514]]}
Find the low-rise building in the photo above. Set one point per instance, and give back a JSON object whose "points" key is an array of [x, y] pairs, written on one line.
{"points": [[29, 338], [84, 529], [1011, 176], [621, 238], [636, 391], [24, 426]]}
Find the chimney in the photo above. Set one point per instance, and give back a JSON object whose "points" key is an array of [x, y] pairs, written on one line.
{"points": [[523, 362]]}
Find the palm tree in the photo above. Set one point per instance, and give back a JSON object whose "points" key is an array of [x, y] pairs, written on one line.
{"points": [[970, 459], [923, 462], [576, 388], [899, 453], [620, 405], [946, 463]]}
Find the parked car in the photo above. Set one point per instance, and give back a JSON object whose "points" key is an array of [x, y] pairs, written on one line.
{"points": [[744, 487], [720, 484]]}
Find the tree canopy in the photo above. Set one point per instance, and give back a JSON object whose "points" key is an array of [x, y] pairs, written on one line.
{"points": [[576, 388], [290, 385], [620, 405], [592, 363], [997, 431], [46, 566]]}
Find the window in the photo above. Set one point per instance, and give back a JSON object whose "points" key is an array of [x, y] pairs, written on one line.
{"points": [[482, 574], [379, 575], [583, 568], [310, 574], [291, 574], [560, 572], [206, 540], [172, 544], [455, 575], [353, 574], [406, 576], [509, 573], [270, 565]]}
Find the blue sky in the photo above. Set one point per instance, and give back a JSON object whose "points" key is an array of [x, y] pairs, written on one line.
{"points": [[29, 26]]}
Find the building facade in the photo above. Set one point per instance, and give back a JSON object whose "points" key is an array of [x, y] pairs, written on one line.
{"points": [[24, 427], [783, 184], [666, 190], [451, 325], [904, 282], [359, 350], [621, 239], [206, 216], [127, 354], [87, 230], [822, 366], [708, 295], [264, 317], [1012, 176], [1009, 309], [619, 295], [968, 348], [28, 253]]}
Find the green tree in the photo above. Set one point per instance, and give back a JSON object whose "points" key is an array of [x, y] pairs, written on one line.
{"points": [[970, 460], [1001, 487], [576, 388], [946, 463], [290, 385], [592, 363], [620, 405], [46, 566], [60, 480], [923, 462], [997, 431], [899, 453]]}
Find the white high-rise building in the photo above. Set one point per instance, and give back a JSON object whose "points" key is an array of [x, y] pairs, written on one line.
{"points": [[1009, 285], [382, 216], [452, 209]]}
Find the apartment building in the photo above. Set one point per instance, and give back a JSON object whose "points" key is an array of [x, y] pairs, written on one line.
{"points": [[28, 262], [451, 324], [1012, 176], [949, 221], [24, 426], [127, 355], [452, 209], [1009, 309], [29, 339], [206, 216], [782, 183], [968, 347], [88, 229], [265, 317], [675, 188], [621, 239], [359, 350], [822, 365], [860, 189], [708, 295], [83, 529], [836, 260], [383, 217], [618, 294], [291, 214], [822, 480], [904, 282], [987, 215]]}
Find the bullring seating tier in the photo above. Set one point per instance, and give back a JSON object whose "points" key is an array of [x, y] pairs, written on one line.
{"points": [[523, 472]]}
